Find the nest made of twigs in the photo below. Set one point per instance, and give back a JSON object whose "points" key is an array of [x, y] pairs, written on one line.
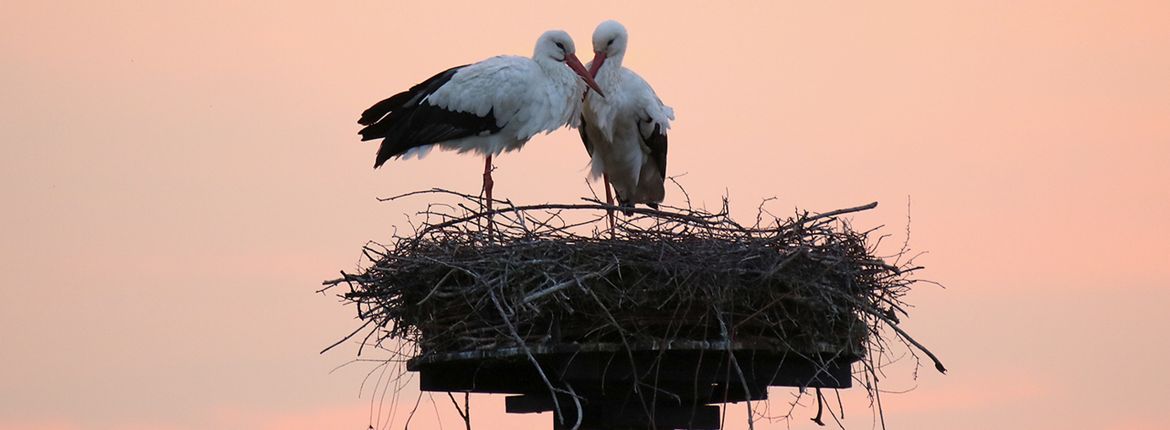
{"points": [[471, 280]]}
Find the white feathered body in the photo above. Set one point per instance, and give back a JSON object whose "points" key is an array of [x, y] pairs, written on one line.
{"points": [[525, 97], [617, 127]]}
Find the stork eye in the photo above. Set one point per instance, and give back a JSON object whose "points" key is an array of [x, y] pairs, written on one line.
{"points": [[610, 42], [561, 45]]}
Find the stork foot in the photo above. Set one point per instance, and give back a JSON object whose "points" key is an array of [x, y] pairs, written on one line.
{"points": [[626, 208]]}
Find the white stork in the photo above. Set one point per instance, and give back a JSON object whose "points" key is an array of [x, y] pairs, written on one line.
{"points": [[625, 130], [489, 107]]}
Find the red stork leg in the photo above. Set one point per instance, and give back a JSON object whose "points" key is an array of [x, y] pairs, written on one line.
{"points": [[608, 200], [487, 183], [487, 191]]}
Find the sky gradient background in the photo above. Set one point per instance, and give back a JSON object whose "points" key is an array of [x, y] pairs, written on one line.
{"points": [[178, 177]]}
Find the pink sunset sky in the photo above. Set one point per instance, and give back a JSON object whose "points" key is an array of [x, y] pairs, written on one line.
{"points": [[178, 177]]}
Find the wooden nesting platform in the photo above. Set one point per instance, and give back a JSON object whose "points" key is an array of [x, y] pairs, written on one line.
{"points": [[672, 385]]}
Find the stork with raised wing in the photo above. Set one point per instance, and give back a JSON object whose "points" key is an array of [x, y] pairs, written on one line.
{"points": [[489, 107], [624, 127]]}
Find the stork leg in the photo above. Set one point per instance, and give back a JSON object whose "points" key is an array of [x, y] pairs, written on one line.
{"points": [[487, 183], [608, 200], [487, 193]]}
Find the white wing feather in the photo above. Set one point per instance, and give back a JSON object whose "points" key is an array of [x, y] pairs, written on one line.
{"points": [[629, 94], [509, 87]]}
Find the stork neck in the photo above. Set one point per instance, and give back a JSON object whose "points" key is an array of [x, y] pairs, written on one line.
{"points": [[551, 67], [558, 73], [612, 63]]}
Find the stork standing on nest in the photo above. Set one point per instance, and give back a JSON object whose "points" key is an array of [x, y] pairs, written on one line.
{"points": [[489, 107], [624, 131]]}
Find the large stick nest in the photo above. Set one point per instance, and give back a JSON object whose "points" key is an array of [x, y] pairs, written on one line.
{"points": [[468, 279]]}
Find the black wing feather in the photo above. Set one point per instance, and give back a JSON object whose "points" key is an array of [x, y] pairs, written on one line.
{"points": [[657, 144], [585, 136], [427, 124], [405, 121], [380, 109]]}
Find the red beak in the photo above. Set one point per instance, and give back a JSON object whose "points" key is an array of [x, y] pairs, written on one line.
{"points": [[575, 64], [598, 59]]}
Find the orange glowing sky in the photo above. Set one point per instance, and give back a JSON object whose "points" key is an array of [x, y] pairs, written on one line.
{"points": [[177, 178]]}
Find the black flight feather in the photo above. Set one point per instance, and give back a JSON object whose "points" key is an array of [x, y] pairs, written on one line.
{"points": [[585, 136], [657, 144], [406, 120], [421, 89]]}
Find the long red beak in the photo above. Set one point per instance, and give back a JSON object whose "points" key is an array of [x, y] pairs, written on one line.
{"points": [[598, 59], [575, 64]]}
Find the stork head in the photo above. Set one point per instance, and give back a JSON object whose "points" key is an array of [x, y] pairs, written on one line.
{"points": [[609, 41], [558, 46]]}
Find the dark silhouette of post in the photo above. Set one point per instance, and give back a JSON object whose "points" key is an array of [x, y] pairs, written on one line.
{"points": [[646, 386]]}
